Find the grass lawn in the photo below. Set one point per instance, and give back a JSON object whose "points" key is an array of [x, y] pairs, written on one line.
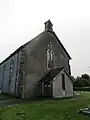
{"points": [[65, 109], [5, 97]]}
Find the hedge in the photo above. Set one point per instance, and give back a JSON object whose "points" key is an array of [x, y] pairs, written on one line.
{"points": [[81, 88]]}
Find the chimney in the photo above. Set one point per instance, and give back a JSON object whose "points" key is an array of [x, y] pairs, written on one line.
{"points": [[48, 26]]}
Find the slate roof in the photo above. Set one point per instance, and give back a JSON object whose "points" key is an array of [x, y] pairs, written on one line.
{"points": [[51, 74]]}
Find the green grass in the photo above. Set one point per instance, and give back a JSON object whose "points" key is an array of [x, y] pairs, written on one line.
{"points": [[65, 109], [5, 97]]}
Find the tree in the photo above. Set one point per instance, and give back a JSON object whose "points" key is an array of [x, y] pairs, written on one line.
{"points": [[86, 76], [82, 81]]}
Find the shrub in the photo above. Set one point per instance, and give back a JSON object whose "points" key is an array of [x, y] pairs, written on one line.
{"points": [[81, 88]]}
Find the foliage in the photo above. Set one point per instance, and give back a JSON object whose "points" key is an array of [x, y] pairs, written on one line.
{"points": [[65, 109], [82, 81], [5, 96], [81, 88]]}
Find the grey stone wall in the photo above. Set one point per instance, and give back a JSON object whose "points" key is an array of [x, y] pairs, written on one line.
{"points": [[17, 74], [21, 73], [36, 61], [58, 92], [8, 75], [13, 74], [30, 65], [5, 85], [1, 77]]}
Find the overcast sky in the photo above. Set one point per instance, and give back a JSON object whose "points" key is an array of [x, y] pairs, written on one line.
{"points": [[21, 20]]}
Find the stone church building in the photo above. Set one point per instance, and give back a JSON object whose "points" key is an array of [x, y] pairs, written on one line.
{"points": [[38, 68]]}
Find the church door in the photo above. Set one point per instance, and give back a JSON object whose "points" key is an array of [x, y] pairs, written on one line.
{"points": [[47, 88]]}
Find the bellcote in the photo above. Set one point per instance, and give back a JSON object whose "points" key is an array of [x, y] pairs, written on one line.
{"points": [[48, 25]]}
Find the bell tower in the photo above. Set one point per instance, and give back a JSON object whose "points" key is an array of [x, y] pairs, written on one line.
{"points": [[48, 26]]}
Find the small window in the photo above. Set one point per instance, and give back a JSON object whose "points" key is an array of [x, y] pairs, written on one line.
{"points": [[11, 65], [63, 81], [45, 85]]}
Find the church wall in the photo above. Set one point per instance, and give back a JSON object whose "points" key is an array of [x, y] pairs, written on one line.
{"points": [[36, 62]]}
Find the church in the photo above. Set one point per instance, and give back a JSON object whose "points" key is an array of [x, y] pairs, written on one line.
{"points": [[39, 68]]}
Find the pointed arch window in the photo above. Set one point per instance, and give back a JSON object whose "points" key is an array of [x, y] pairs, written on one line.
{"points": [[50, 56]]}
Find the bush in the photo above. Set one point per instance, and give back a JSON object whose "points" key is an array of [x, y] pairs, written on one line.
{"points": [[82, 81], [81, 88]]}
